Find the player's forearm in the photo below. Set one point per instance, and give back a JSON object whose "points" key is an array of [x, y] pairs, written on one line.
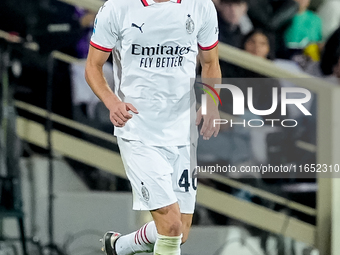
{"points": [[212, 72], [211, 75], [95, 78]]}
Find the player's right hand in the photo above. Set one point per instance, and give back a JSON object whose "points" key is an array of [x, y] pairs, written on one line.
{"points": [[119, 113]]}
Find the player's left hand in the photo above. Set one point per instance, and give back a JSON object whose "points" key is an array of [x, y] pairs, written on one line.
{"points": [[208, 129]]}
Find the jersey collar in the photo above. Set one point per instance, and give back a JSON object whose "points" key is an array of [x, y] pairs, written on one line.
{"points": [[151, 2]]}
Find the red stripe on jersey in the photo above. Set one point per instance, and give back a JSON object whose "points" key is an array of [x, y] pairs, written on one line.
{"points": [[179, 1], [145, 3], [100, 47], [210, 47]]}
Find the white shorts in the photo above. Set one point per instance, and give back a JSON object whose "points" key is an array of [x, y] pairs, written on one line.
{"points": [[160, 176]]}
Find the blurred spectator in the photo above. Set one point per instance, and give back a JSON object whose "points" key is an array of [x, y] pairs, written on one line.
{"points": [[86, 19], [239, 144], [87, 108], [259, 43], [233, 25], [216, 2], [305, 29], [32, 20], [329, 12], [273, 16], [329, 66], [232, 18]]}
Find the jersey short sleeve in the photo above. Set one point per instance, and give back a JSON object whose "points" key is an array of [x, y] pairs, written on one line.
{"points": [[208, 33], [105, 32]]}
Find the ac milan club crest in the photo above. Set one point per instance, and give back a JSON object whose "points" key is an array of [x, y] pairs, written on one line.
{"points": [[190, 25], [145, 193]]}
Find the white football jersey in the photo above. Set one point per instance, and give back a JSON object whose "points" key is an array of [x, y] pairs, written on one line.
{"points": [[154, 49]]}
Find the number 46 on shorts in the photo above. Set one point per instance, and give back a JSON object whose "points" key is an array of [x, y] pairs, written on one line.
{"points": [[184, 180]]}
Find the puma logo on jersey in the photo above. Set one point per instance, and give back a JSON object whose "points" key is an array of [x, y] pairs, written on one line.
{"points": [[139, 27]]}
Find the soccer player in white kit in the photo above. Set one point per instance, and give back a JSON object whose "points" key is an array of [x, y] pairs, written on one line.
{"points": [[155, 44]]}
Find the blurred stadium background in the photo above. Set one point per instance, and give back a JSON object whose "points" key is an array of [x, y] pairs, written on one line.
{"points": [[62, 183]]}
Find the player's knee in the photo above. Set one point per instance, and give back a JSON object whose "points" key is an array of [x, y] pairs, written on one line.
{"points": [[175, 228], [169, 220]]}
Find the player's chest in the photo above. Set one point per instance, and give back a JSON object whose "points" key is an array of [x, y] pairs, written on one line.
{"points": [[179, 25]]}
